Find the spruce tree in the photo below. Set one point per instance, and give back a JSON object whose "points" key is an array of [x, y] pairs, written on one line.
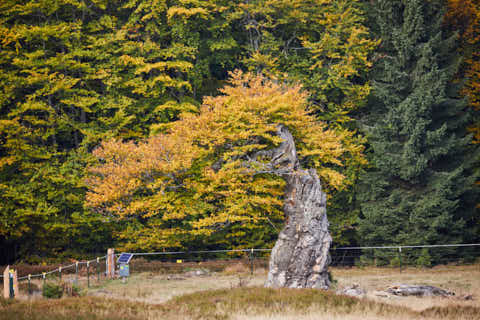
{"points": [[420, 189]]}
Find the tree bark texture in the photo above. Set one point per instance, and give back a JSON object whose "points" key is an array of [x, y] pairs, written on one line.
{"points": [[300, 257]]}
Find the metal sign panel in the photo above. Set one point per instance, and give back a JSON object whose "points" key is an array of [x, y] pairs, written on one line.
{"points": [[124, 270]]}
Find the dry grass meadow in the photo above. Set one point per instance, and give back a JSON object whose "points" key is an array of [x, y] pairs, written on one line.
{"points": [[233, 293]]}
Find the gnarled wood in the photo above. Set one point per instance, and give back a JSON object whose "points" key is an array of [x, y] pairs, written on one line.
{"points": [[352, 291], [418, 290], [300, 256]]}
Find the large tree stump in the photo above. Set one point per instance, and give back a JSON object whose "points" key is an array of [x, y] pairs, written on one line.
{"points": [[300, 257]]}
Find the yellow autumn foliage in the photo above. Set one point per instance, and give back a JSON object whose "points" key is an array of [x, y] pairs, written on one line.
{"points": [[197, 177]]}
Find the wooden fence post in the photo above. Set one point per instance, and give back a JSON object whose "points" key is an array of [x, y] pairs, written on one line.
{"points": [[111, 263], [400, 258], [88, 274], [76, 272], [16, 292], [29, 289], [251, 261], [98, 269], [10, 283], [6, 283]]}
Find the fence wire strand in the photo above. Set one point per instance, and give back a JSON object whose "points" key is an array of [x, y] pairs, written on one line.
{"points": [[62, 267], [252, 250]]}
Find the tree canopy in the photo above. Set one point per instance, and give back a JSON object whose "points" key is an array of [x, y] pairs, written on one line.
{"points": [[76, 75], [198, 179]]}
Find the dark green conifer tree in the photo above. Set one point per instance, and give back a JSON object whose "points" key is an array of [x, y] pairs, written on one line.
{"points": [[421, 187]]}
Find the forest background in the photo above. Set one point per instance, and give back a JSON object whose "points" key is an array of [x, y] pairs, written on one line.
{"points": [[85, 84]]}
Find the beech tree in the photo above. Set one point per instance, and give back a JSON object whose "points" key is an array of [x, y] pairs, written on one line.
{"points": [[48, 92], [78, 73], [326, 45], [198, 180], [75, 73]]}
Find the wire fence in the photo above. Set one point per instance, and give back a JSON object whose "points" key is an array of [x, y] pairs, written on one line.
{"points": [[398, 256], [92, 272]]}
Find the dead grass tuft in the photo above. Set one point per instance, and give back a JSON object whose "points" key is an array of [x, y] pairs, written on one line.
{"points": [[237, 268]]}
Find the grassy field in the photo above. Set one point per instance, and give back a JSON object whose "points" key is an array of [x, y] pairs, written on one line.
{"points": [[234, 294], [463, 280]]}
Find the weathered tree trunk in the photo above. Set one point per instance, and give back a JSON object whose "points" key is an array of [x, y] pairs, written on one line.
{"points": [[300, 257]]}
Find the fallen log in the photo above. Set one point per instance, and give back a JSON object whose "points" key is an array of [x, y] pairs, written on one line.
{"points": [[419, 291], [353, 291]]}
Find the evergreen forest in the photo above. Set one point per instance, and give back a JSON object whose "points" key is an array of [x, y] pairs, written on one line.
{"points": [[128, 123]]}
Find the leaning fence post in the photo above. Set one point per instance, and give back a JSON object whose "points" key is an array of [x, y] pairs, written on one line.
{"points": [[88, 274], [400, 258]]}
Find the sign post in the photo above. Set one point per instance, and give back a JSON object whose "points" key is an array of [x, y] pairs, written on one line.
{"points": [[123, 261]]}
